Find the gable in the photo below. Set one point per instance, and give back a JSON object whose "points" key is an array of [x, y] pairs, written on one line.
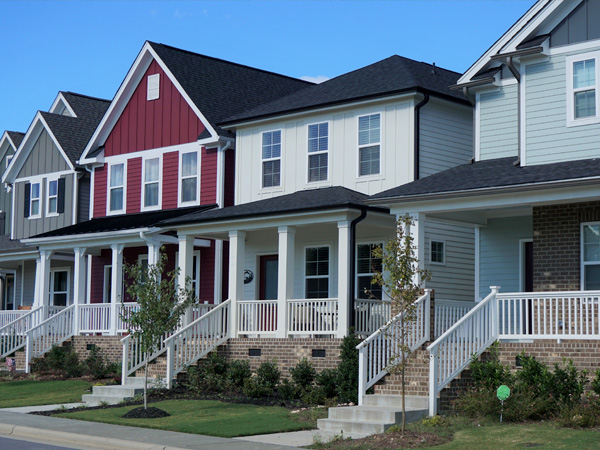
{"points": [[44, 157], [581, 25], [147, 124]]}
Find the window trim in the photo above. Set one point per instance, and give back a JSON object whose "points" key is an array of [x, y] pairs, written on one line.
{"points": [[9, 158], [327, 152], [263, 160], [570, 61], [582, 262], [48, 196], [359, 146], [380, 242], [431, 261], [38, 198], [115, 212], [106, 283], [159, 181], [328, 276], [180, 201], [153, 93], [53, 270]]}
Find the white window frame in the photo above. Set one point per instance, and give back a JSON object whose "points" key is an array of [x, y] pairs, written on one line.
{"points": [[570, 61], [364, 274], [326, 152], [328, 276], [359, 146], [8, 160], [110, 212], [159, 181], [263, 160], [431, 261], [38, 199], [48, 197], [195, 276], [180, 201], [582, 261], [53, 270], [153, 87]]}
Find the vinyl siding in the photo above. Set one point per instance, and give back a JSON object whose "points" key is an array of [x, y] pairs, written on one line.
{"points": [[498, 123], [5, 197], [499, 253], [44, 157], [83, 202], [28, 284]]}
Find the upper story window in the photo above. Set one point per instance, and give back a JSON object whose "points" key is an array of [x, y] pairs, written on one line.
{"points": [[590, 256], [116, 188], [366, 267], [317, 272], [582, 89], [369, 144], [153, 87], [34, 201], [8, 160], [151, 184], [271, 159], [438, 252], [52, 198], [189, 186], [318, 147]]}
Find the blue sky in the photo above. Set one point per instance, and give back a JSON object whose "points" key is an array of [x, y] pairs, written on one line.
{"points": [[88, 47]]}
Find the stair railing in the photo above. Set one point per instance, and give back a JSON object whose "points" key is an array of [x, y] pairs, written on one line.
{"points": [[13, 334], [197, 340], [377, 351], [452, 352]]}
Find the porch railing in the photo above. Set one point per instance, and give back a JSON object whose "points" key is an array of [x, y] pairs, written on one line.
{"points": [[257, 316], [13, 334], [7, 317], [313, 316], [377, 351], [370, 315], [200, 309], [448, 312]]}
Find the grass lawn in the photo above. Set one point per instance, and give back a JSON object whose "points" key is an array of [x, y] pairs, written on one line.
{"points": [[28, 392], [208, 417]]}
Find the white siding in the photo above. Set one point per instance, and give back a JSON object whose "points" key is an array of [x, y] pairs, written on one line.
{"points": [[498, 123]]}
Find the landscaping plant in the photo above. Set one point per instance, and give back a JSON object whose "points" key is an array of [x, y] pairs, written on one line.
{"points": [[347, 371]]}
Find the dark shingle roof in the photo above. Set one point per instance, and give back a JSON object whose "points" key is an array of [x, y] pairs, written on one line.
{"points": [[16, 137], [10, 245], [73, 133], [309, 200], [494, 173], [122, 222], [221, 89], [390, 76]]}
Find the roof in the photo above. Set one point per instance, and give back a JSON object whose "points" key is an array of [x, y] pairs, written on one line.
{"points": [[308, 200], [220, 88], [493, 173], [387, 77], [122, 222], [16, 137], [10, 245]]}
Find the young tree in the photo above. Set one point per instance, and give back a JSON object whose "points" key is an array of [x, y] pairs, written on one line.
{"points": [[162, 303], [400, 278]]}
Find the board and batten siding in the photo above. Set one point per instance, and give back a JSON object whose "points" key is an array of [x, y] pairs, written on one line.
{"points": [[6, 197], [548, 139], [498, 123], [499, 253], [44, 157], [446, 137], [454, 280], [83, 201], [28, 283]]}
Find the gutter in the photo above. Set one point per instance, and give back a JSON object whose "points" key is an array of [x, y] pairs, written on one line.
{"points": [[417, 134], [351, 278]]}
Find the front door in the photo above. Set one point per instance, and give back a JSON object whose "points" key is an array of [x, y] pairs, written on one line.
{"points": [[269, 269], [527, 275]]}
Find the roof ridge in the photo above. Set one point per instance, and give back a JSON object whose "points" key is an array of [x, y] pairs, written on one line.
{"points": [[86, 96]]}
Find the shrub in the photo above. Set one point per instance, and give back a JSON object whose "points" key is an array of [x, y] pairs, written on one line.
{"points": [[238, 372], [287, 390], [215, 364], [194, 380], [582, 415], [347, 373], [268, 374], [491, 373], [59, 360], [326, 380], [304, 374], [255, 388], [596, 383], [314, 396], [97, 365], [568, 383], [534, 376]]}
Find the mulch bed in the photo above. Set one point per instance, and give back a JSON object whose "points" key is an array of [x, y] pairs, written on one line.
{"points": [[408, 439], [146, 413]]}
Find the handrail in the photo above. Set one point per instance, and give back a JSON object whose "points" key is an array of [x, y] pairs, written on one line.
{"points": [[12, 335]]}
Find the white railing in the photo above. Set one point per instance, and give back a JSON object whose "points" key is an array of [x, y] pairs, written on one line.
{"points": [[52, 331], [447, 313], [200, 309], [451, 353], [125, 310], [7, 317], [196, 340], [94, 318], [313, 316], [549, 315], [378, 351], [134, 358], [257, 317], [370, 315], [13, 334]]}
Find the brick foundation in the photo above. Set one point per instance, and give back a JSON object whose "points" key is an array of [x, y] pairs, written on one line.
{"points": [[110, 346]]}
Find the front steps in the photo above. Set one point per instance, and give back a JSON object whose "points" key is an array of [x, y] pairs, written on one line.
{"points": [[376, 415], [113, 395]]}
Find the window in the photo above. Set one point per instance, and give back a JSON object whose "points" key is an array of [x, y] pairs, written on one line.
{"points": [[271, 156], [151, 188], [318, 146], [369, 138], [189, 178], [582, 87], [153, 87], [590, 254], [59, 287], [107, 291], [34, 201], [437, 252], [317, 272], [366, 266], [8, 160], [116, 189], [52, 203]]}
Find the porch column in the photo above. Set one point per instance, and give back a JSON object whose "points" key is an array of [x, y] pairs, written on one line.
{"points": [[43, 271], [418, 233], [117, 285], [344, 295], [285, 277], [79, 282], [185, 263], [153, 252], [237, 250]]}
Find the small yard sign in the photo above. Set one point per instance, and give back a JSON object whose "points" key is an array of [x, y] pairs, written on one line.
{"points": [[502, 393]]}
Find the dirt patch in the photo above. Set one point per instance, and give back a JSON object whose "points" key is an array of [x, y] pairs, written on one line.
{"points": [[408, 439], [145, 413]]}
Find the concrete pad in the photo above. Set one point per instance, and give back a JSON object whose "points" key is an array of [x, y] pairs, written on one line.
{"points": [[299, 438], [30, 409]]}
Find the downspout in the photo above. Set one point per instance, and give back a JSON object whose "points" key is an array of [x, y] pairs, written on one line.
{"points": [[218, 279], [351, 279], [511, 66], [417, 139]]}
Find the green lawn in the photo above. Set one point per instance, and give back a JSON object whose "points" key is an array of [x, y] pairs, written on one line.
{"points": [[203, 417], [28, 393]]}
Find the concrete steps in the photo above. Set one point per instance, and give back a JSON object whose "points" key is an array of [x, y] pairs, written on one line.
{"points": [[115, 394], [377, 414]]}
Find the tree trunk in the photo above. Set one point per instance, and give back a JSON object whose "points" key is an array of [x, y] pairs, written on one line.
{"points": [[146, 383], [403, 393]]}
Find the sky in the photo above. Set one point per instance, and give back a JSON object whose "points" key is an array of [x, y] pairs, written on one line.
{"points": [[88, 46]]}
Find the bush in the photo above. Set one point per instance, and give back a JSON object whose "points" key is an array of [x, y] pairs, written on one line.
{"points": [[347, 373], [534, 376], [314, 396], [568, 383], [490, 374], [596, 383], [583, 415], [59, 361], [268, 374], [215, 364], [304, 374], [97, 365], [238, 372], [326, 380], [255, 388], [288, 390]]}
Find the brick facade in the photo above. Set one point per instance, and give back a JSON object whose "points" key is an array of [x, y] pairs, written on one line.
{"points": [[109, 346]]}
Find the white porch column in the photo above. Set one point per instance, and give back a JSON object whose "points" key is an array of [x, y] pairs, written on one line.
{"points": [[218, 286], [285, 277], [42, 296], [153, 252], [79, 282], [418, 233], [186, 264], [344, 297], [117, 285], [237, 250]]}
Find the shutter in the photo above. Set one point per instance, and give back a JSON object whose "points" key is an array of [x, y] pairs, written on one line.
{"points": [[60, 202], [26, 199]]}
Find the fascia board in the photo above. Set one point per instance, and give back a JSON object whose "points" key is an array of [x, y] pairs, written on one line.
{"points": [[17, 163], [5, 143], [62, 152], [90, 239], [19, 256], [58, 98]]}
